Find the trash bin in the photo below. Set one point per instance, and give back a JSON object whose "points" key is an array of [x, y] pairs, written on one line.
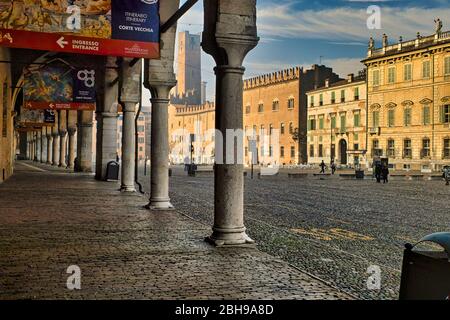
{"points": [[112, 171], [426, 274], [359, 174]]}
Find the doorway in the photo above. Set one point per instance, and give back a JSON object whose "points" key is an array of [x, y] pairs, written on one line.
{"points": [[343, 151]]}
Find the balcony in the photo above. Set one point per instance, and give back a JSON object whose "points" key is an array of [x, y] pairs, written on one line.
{"points": [[375, 130]]}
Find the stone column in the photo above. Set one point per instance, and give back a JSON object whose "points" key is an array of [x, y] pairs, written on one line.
{"points": [[106, 148], [32, 146], [55, 160], [84, 144], [72, 118], [106, 142], [49, 148], [38, 146], [62, 148], [229, 34], [160, 79], [128, 147], [62, 138], [35, 150], [28, 155], [159, 174], [129, 97], [71, 158], [43, 146]]}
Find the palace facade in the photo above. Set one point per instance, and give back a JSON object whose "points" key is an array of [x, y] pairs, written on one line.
{"points": [[278, 101], [409, 102], [186, 120], [336, 122]]}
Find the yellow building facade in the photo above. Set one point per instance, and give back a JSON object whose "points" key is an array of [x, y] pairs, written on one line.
{"points": [[409, 103], [337, 122], [278, 101], [186, 120]]}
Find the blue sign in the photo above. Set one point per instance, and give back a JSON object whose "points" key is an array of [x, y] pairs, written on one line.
{"points": [[84, 86], [136, 20]]}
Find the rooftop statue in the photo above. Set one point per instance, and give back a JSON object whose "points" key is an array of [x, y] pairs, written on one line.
{"points": [[438, 26]]}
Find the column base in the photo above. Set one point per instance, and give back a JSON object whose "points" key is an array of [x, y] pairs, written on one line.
{"points": [[127, 189], [160, 205], [229, 237]]}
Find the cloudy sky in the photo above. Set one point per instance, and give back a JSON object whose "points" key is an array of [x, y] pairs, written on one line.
{"points": [[305, 32]]}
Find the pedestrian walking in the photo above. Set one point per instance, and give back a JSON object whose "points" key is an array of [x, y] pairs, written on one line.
{"points": [[447, 175], [322, 166], [378, 172], [385, 173], [333, 167]]}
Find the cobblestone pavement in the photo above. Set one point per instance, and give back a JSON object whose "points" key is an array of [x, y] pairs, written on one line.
{"points": [[50, 220], [335, 229]]}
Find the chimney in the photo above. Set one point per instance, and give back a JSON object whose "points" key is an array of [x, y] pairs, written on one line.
{"points": [[350, 77]]}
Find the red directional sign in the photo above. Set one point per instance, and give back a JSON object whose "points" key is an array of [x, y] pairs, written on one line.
{"points": [[106, 27]]}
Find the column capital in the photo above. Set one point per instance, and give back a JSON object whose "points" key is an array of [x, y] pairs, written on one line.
{"points": [[227, 42], [72, 131], [161, 89]]}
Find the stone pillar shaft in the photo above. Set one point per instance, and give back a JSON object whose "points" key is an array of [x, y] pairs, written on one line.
{"points": [[229, 34], [49, 149], [229, 178], [71, 158], [84, 145], [55, 160], [128, 148], [159, 177], [62, 149], [106, 142]]}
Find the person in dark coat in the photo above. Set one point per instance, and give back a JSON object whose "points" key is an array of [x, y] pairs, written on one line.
{"points": [[333, 167], [322, 167], [385, 174], [378, 172]]}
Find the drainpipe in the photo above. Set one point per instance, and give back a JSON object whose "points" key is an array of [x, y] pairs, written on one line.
{"points": [[367, 115], [434, 107], [136, 150]]}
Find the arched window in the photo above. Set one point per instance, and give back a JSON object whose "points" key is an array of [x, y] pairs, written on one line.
{"points": [[426, 148], [407, 148], [275, 105], [391, 148], [446, 151]]}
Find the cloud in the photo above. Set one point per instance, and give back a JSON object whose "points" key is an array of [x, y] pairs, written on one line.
{"points": [[344, 23]]}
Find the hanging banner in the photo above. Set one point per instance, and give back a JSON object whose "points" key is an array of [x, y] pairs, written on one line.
{"points": [[36, 118], [100, 27], [59, 88]]}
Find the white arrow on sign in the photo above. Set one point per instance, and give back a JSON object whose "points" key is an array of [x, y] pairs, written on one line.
{"points": [[61, 42]]}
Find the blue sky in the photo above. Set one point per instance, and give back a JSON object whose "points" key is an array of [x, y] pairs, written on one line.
{"points": [[305, 32]]}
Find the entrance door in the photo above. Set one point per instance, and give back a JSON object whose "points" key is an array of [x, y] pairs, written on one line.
{"points": [[343, 151]]}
